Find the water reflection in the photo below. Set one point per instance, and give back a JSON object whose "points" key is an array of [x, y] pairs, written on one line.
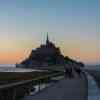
{"points": [[93, 90]]}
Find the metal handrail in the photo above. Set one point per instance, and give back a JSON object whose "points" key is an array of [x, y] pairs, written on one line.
{"points": [[27, 81]]}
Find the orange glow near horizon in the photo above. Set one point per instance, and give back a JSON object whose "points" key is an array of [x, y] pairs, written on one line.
{"points": [[74, 26], [12, 52], [17, 51], [13, 57], [18, 56]]}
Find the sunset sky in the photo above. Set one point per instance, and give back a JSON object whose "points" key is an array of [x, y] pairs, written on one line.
{"points": [[72, 24]]}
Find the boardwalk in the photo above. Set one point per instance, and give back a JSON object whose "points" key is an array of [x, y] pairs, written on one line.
{"points": [[66, 89]]}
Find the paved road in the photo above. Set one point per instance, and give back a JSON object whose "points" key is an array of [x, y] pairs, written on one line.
{"points": [[66, 89]]}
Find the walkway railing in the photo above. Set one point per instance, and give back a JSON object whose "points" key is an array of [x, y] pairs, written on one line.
{"points": [[14, 91]]}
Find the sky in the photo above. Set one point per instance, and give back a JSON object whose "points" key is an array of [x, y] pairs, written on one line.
{"points": [[73, 25]]}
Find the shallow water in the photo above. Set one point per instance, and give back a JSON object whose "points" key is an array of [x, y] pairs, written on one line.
{"points": [[93, 90]]}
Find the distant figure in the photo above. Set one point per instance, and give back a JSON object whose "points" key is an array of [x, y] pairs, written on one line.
{"points": [[78, 70], [68, 72]]}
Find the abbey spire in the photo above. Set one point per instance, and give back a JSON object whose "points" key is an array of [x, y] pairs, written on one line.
{"points": [[47, 40]]}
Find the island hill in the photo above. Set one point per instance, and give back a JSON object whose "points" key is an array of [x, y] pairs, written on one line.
{"points": [[46, 56]]}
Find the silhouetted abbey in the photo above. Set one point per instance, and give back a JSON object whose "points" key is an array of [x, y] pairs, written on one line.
{"points": [[46, 55]]}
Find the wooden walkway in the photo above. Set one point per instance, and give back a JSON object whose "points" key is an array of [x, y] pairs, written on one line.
{"points": [[66, 89]]}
